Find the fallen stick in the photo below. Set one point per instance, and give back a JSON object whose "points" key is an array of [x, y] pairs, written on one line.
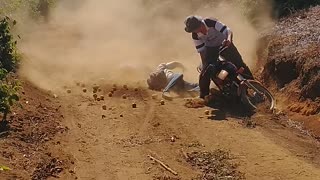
{"points": [[163, 165]]}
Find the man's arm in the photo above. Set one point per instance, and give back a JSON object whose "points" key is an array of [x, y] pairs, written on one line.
{"points": [[174, 64], [219, 26]]}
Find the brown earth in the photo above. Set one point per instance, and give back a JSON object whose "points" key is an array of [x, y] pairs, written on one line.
{"points": [[291, 59], [29, 143], [75, 135]]}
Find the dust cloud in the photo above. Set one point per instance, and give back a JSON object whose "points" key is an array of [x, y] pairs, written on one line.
{"points": [[120, 40]]}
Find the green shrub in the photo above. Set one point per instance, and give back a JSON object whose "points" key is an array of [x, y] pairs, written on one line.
{"points": [[8, 61], [8, 52]]}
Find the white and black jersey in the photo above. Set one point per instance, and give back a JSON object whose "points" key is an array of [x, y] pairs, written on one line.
{"points": [[217, 33]]}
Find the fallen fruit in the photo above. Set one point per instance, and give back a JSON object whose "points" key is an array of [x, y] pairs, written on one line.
{"points": [[110, 94], [103, 116], [124, 96], [104, 107], [84, 90], [121, 115], [134, 105], [95, 96], [101, 97], [69, 91], [162, 102], [94, 91], [98, 99]]}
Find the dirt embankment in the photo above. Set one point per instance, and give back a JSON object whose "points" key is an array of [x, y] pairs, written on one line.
{"points": [[292, 65], [29, 143]]}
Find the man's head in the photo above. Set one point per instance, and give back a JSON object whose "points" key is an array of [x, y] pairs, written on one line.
{"points": [[157, 81], [194, 24]]}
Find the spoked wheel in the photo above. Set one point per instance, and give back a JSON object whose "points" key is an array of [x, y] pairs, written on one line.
{"points": [[257, 97]]}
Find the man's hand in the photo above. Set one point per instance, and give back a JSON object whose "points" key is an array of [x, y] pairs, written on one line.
{"points": [[226, 43]]}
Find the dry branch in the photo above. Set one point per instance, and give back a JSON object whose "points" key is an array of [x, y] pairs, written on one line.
{"points": [[163, 165]]}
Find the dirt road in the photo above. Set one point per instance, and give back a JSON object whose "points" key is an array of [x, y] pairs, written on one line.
{"points": [[117, 145]]}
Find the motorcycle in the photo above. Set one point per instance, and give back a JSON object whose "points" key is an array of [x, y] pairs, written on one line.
{"points": [[232, 84]]}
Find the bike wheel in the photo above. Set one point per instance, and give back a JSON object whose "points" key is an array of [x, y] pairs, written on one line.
{"points": [[257, 97]]}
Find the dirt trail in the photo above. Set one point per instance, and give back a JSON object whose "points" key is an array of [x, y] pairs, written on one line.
{"points": [[117, 146]]}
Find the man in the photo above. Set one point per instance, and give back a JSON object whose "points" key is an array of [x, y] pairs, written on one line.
{"points": [[209, 35], [163, 78]]}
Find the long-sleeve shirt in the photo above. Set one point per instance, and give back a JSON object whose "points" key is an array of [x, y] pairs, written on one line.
{"points": [[167, 68], [217, 33]]}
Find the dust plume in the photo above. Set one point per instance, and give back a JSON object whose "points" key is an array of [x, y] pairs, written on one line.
{"points": [[120, 40]]}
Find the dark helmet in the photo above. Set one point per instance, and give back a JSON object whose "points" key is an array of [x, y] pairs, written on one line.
{"points": [[192, 23]]}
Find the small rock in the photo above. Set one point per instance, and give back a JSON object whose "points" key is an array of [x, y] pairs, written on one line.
{"points": [[77, 83], [71, 171], [162, 102], [136, 89], [101, 97], [99, 90], [173, 139], [69, 91], [84, 90], [104, 107], [121, 115], [55, 96], [103, 116], [125, 87], [98, 99], [206, 112], [110, 94], [124, 96], [95, 91]]}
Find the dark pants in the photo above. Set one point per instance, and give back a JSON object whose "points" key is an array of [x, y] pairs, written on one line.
{"points": [[230, 54]]}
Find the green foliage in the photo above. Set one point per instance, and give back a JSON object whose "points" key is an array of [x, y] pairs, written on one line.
{"points": [[8, 53], [8, 95], [29, 7], [8, 61]]}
